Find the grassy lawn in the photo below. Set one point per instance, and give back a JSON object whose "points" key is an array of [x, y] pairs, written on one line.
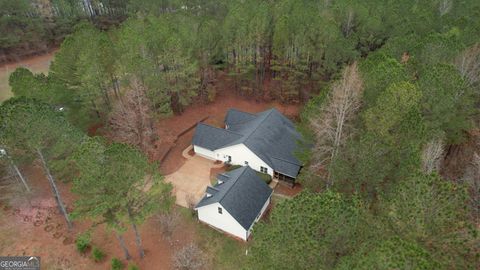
{"points": [[222, 251], [277, 199]]}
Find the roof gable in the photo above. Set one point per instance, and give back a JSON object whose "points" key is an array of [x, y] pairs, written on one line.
{"points": [[269, 135], [236, 117], [242, 193]]}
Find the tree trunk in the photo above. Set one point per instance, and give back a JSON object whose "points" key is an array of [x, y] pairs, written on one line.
{"points": [[19, 174], [106, 98], [138, 239], [24, 182], [55, 191], [124, 247], [94, 106]]}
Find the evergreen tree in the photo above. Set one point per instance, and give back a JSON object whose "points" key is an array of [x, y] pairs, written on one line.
{"points": [[117, 186], [37, 131]]}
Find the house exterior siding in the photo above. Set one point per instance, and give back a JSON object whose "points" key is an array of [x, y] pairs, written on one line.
{"points": [[204, 152], [240, 153], [225, 222]]}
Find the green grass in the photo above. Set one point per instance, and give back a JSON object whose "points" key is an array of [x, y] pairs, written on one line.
{"points": [[277, 199], [265, 177], [223, 251], [232, 167]]}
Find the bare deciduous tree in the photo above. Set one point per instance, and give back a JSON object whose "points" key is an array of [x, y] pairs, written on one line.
{"points": [[8, 188], [131, 119], [190, 257], [349, 23], [472, 181], [168, 222], [444, 7], [431, 155], [468, 64], [330, 127]]}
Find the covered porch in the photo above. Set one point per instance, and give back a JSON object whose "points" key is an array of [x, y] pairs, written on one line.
{"points": [[284, 179]]}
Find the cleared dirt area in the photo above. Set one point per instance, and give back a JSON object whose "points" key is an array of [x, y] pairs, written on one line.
{"points": [[37, 64], [169, 128], [32, 225]]}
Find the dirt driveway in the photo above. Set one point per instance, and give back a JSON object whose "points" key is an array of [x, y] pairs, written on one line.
{"points": [[190, 181]]}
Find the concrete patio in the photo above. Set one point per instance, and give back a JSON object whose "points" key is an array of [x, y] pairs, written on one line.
{"points": [[190, 181]]}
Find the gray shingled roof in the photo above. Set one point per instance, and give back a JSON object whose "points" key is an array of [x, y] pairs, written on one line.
{"points": [[242, 193], [268, 134], [235, 117], [213, 138]]}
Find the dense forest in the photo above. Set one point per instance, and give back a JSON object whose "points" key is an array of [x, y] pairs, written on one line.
{"points": [[389, 89]]}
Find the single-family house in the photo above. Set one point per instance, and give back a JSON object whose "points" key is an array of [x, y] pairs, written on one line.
{"points": [[265, 141], [235, 203]]}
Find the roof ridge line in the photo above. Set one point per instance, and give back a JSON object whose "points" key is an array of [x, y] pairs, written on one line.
{"points": [[234, 109], [236, 181], [245, 121], [200, 123], [259, 124]]}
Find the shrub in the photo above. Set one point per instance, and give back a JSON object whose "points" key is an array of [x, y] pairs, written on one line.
{"points": [[133, 267], [117, 264], [265, 177], [232, 167], [189, 257], [168, 222], [97, 254], [83, 242]]}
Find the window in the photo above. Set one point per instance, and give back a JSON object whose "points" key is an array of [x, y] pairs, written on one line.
{"points": [[220, 210], [263, 169], [246, 163]]}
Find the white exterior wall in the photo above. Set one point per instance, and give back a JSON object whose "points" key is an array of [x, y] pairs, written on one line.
{"points": [[204, 152], [225, 222], [240, 153]]}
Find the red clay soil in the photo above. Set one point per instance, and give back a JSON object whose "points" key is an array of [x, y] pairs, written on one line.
{"points": [[34, 226], [288, 191], [169, 128], [94, 130], [30, 61]]}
